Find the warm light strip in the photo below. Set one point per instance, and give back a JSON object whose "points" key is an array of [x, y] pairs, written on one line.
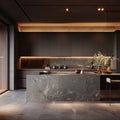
{"points": [[49, 57], [69, 27], [115, 81]]}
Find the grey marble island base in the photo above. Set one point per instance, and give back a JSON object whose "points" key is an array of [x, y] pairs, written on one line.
{"points": [[63, 87]]}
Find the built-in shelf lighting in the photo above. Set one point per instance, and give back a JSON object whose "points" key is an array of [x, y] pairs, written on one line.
{"points": [[26, 60], [38, 58], [49, 57]]}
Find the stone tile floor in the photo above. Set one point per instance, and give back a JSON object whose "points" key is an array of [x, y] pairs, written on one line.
{"points": [[13, 106]]}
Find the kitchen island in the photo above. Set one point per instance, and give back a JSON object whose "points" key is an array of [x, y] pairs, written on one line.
{"points": [[63, 87]]}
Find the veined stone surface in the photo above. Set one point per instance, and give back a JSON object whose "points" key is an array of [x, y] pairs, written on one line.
{"points": [[63, 87]]}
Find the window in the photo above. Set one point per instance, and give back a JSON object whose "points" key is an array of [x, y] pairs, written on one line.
{"points": [[3, 58]]}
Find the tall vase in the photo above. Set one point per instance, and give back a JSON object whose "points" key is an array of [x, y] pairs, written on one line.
{"points": [[99, 69]]}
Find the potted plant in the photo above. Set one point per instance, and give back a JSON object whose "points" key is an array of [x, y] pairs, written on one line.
{"points": [[101, 62]]}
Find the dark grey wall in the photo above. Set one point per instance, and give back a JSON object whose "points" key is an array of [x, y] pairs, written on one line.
{"points": [[65, 44]]}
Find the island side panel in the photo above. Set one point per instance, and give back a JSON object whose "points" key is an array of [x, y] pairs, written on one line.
{"points": [[74, 87]]}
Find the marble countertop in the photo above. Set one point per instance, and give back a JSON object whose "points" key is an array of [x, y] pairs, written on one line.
{"points": [[73, 72], [68, 72]]}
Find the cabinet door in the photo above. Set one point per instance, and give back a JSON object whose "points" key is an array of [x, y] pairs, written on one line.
{"points": [[42, 47], [61, 45], [110, 90]]}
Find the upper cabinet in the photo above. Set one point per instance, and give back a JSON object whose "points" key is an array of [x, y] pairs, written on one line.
{"points": [[65, 44]]}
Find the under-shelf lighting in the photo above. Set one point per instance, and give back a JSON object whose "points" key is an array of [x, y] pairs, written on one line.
{"points": [[49, 57], [22, 58], [38, 58]]}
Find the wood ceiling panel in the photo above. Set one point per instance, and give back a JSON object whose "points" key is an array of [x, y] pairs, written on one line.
{"points": [[69, 27]]}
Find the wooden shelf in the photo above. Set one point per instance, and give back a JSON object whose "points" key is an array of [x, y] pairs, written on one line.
{"points": [[110, 94]]}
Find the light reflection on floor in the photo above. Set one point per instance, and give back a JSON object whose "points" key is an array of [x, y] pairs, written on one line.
{"points": [[13, 106], [10, 108], [2, 90]]}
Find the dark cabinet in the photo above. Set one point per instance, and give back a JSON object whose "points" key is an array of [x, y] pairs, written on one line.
{"points": [[21, 76], [110, 90]]}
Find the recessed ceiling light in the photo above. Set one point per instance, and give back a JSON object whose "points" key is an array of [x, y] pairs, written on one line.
{"points": [[100, 9], [67, 9]]}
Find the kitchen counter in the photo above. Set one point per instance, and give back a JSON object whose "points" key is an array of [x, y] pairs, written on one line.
{"points": [[63, 87]]}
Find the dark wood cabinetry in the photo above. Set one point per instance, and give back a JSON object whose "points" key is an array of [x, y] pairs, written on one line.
{"points": [[21, 76], [110, 90]]}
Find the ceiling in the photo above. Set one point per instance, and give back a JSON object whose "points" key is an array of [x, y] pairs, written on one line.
{"points": [[53, 11]]}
